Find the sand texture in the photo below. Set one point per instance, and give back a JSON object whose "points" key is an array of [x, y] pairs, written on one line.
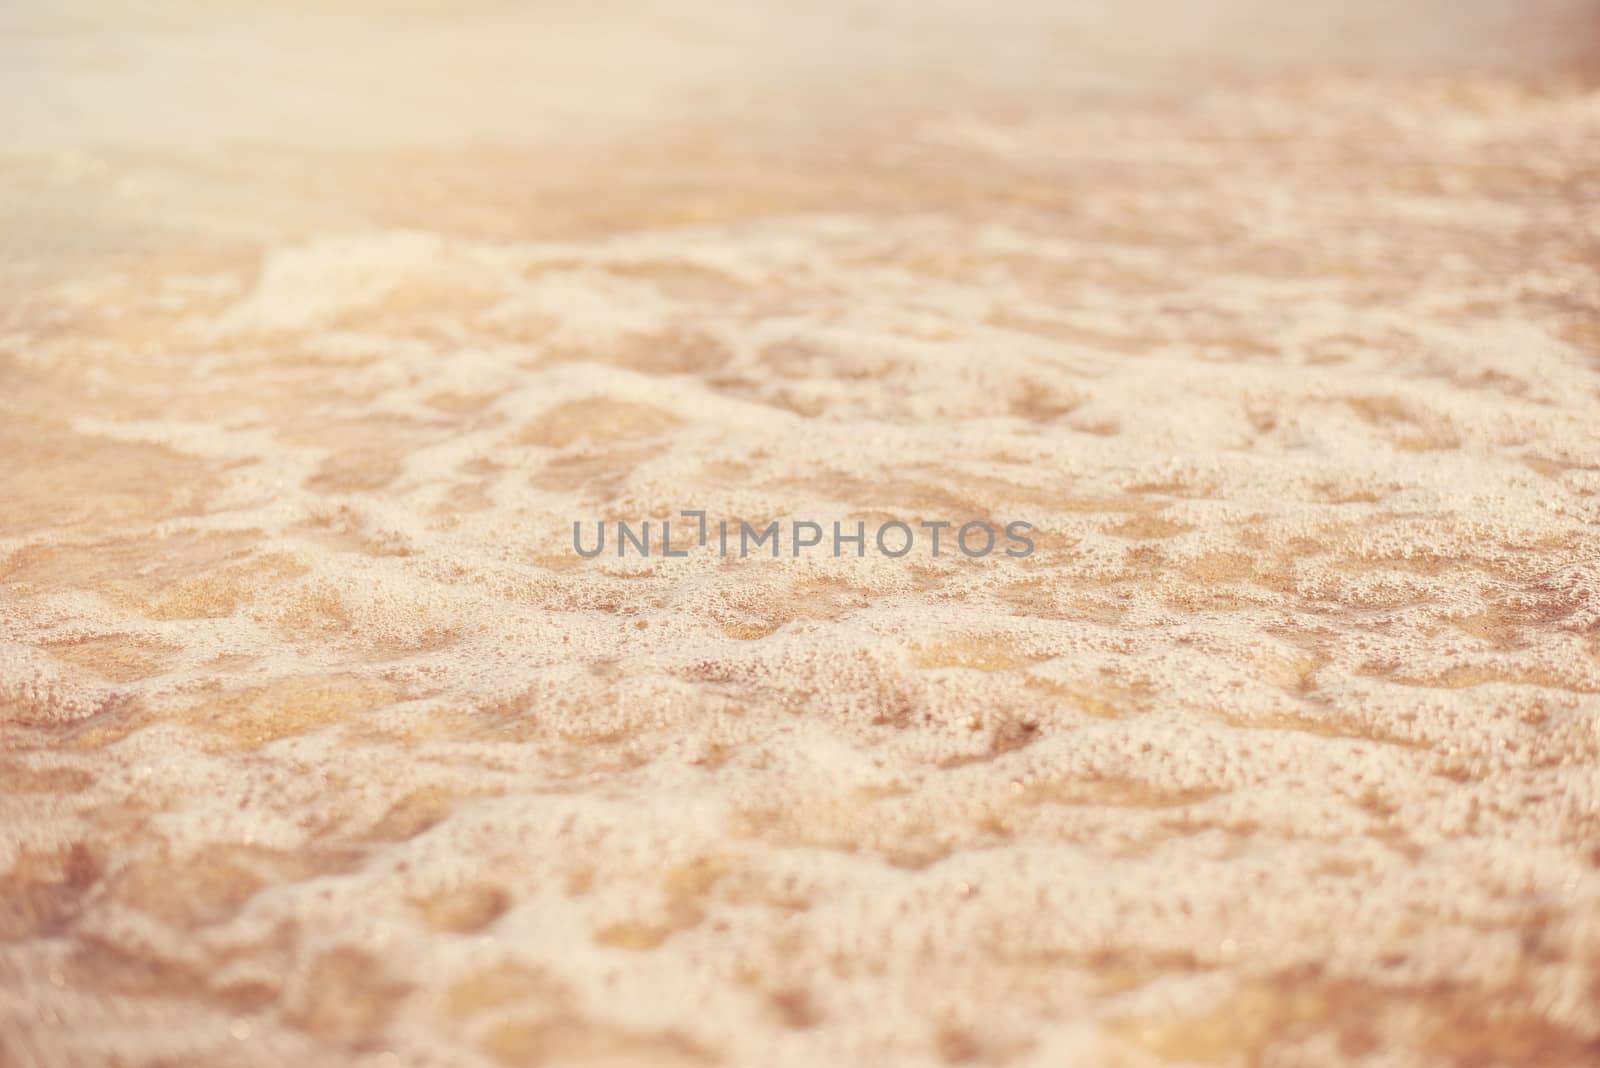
{"points": [[320, 324]]}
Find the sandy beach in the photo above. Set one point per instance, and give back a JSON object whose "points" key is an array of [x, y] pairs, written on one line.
{"points": [[321, 325]]}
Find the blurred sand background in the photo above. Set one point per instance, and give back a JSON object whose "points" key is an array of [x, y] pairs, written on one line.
{"points": [[321, 322]]}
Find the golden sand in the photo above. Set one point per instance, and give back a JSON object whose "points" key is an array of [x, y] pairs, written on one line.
{"points": [[320, 324]]}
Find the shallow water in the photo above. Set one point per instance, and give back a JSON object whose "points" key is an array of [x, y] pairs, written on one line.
{"points": [[320, 326]]}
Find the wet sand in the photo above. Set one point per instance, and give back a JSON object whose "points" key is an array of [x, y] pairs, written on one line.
{"points": [[320, 325]]}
